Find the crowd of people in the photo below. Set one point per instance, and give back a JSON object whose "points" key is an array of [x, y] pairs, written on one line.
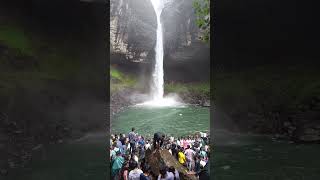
{"points": [[128, 160]]}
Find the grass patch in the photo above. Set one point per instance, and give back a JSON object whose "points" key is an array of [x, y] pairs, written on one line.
{"points": [[120, 80], [16, 38], [273, 86], [202, 88]]}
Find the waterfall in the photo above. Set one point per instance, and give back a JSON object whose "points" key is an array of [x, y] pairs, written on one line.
{"points": [[157, 85], [157, 76]]}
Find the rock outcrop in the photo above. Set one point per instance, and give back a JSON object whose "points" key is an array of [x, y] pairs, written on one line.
{"points": [[133, 30], [159, 158]]}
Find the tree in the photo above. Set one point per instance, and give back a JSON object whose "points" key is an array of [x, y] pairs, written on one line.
{"points": [[202, 11]]}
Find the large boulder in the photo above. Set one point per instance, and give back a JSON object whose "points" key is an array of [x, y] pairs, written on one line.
{"points": [[159, 158]]}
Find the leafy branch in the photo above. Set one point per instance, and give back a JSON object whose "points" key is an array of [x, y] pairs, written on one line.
{"points": [[202, 11]]}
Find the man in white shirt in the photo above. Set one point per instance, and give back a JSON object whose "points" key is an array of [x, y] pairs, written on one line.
{"points": [[148, 145], [190, 157]]}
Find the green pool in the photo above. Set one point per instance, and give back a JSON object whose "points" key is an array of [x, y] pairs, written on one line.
{"points": [[248, 157], [71, 161], [172, 121]]}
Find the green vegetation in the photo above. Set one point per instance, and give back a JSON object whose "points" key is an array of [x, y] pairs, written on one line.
{"points": [[291, 85], [120, 80], [33, 62], [16, 38], [263, 92], [201, 88], [202, 10]]}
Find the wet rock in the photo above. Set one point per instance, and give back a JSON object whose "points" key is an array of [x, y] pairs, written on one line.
{"points": [[159, 158], [206, 103]]}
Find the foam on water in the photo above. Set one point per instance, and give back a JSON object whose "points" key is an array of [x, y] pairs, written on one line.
{"points": [[162, 102]]}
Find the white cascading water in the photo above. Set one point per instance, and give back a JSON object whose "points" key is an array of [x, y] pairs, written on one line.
{"points": [[157, 89], [157, 76]]}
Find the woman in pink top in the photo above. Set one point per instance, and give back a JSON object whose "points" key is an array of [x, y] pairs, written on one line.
{"points": [[185, 143]]}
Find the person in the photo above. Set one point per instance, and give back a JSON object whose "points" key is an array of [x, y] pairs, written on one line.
{"points": [[132, 140], [197, 165], [111, 140], [141, 141], [165, 175], [158, 139], [113, 151], [125, 170], [128, 146], [174, 149], [141, 152], [203, 153], [181, 156], [135, 173], [171, 139], [174, 172], [134, 156], [204, 173], [184, 143], [123, 139], [203, 163], [117, 165], [119, 145], [178, 142], [190, 153], [147, 145], [146, 175]]}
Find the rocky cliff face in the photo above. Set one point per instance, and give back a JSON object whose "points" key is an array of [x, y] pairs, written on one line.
{"points": [[133, 31], [269, 101], [51, 76]]}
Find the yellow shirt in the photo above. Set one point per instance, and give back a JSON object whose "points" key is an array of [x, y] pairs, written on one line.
{"points": [[181, 157]]}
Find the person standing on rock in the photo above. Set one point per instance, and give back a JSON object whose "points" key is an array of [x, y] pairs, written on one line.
{"points": [[174, 150], [190, 153], [158, 139], [132, 139]]}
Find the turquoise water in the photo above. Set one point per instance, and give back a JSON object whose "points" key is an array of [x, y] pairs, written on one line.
{"points": [[76, 161], [248, 157], [172, 121], [235, 156]]}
